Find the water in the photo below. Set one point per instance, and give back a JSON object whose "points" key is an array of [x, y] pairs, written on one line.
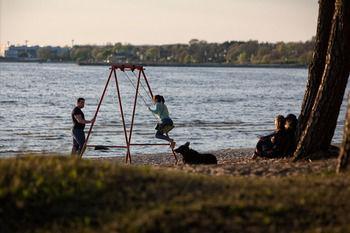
{"points": [[213, 108]]}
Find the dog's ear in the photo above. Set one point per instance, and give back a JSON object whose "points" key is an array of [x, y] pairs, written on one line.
{"points": [[187, 144]]}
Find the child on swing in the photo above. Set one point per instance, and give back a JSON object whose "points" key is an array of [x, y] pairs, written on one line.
{"points": [[162, 112]]}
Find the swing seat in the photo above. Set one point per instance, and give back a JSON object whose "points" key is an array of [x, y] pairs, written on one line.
{"points": [[164, 128]]}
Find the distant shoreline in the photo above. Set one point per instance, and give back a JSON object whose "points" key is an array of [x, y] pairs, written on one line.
{"points": [[205, 65], [4, 60]]}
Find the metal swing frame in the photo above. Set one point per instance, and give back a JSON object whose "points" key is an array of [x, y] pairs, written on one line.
{"points": [[128, 143]]}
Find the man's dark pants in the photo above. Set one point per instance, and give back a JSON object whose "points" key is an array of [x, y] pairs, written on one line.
{"points": [[78, 141]]}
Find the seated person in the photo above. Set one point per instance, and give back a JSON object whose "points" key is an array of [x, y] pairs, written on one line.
{"points": [[272, 145], [291, 127]]}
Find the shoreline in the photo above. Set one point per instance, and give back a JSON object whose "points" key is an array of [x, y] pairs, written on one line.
{"points": [[231, 162], [203, 65], [214, 65]]}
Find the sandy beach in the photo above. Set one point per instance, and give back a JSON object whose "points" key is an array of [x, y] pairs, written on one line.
{"points": [[236, 162]]}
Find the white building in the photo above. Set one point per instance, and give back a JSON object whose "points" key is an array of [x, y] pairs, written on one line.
{"points": [[21, 52]]}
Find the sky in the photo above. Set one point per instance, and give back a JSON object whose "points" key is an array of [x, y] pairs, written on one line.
{"points": [[154, 22]]}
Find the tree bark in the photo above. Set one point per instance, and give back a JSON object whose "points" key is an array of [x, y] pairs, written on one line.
{"points": [[344, 154], [316, 68], [321, 124]]}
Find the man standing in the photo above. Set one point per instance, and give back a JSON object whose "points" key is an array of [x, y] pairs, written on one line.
{"points": [[78, 127]]}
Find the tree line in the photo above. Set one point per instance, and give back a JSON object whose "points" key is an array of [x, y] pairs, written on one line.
{"points": [[195, 52]]}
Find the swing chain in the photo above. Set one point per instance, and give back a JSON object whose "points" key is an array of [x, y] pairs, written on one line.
{"points": [[146, 104]]}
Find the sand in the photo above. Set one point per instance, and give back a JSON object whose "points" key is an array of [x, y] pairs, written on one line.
{"points": [[236, 162]]}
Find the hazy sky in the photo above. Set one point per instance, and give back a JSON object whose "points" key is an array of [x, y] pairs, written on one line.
{"points": [[57, 22]]}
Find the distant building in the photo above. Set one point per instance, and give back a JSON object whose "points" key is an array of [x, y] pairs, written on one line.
{"points": [[22, 52], [2, 50], [33, 52], [120, 57], [58, 51]]}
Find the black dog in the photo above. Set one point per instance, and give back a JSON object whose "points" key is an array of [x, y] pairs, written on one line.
{"points": [[103, 148], [190, 156]]}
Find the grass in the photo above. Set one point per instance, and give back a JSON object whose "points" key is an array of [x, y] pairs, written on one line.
{"points": [[59, 194]]}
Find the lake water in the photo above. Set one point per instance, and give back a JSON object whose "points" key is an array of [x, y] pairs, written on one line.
{"points": [[213, 108]]}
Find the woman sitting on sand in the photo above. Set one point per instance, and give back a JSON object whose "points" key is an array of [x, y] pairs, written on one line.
{"points": [[162, 112], [272, 145], [291, 127]]}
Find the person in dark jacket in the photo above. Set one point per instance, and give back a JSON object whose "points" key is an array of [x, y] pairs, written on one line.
{"points": [[291, 127], [272, 145]]}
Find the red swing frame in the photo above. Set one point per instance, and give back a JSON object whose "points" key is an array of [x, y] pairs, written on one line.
{"points": [[141, 74]]}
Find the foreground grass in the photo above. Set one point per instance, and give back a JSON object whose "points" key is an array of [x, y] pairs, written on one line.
{"points": [[55, 194]]}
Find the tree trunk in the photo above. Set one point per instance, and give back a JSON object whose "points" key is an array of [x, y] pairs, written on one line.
{"points": [[321, 124], [344, 154], [316, 68]]}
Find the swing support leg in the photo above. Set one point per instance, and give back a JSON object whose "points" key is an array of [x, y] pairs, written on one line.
{"points": [[134, 110], [149, 87], [95, 116], [128, 155]]}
